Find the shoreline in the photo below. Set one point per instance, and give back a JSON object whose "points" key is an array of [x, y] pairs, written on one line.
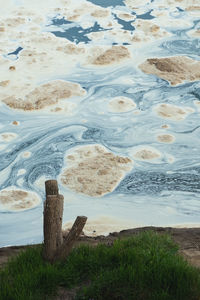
{"points": [[188, 239]]}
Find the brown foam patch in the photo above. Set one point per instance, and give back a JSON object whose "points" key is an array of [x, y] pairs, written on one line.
{"points": [[100, 13], [17, 200], [16, 123], [38, 61], [113, 55], [138, 38], [102, 225], [14, 21], [71, 49], [93, 171], [2, 147], [117, 35], [165, 138], [45, 95], [126, 16], [194, 33], [8, 136], [2, 29], [121, 104], [137, 112], [175, 69], [4, 83], [193, 7], [26, 154], [171, 159], [146, 153], [136, 3], [148, 30], [181, 3], [173, 112], [197, 104], [164, 19], [12, 68], [21, 172], [165, 126]]}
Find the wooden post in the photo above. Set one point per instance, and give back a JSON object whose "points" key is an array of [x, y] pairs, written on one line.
{"points": [[53, 212], [51, 187], [59, 218], [72, 236], [54, 247]]}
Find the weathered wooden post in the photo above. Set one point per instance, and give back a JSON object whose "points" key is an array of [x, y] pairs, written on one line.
{"points": [[53, 213], [54, 247], [51, 187]]}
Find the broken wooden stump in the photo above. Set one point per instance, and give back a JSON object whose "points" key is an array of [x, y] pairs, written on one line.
{"points": [[72, 236], [54, 247]]}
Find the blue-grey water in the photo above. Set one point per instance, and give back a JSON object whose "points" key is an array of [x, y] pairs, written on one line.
{"points": [[163, 192]]}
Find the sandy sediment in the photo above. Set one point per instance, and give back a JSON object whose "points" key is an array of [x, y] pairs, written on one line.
{"points": [[94, 171], [176, 69], [17, 200]]}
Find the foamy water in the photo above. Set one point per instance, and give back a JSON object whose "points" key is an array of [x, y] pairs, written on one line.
{"points": [[104, 97]]}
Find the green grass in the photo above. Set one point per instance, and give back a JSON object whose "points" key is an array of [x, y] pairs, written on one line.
{"points": [[144, 267]]}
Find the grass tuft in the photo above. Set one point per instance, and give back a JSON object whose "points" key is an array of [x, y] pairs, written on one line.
{"points": [[144, 267]]}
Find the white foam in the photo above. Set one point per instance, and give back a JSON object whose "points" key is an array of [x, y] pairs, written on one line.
{"points": [[103, 225]]}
